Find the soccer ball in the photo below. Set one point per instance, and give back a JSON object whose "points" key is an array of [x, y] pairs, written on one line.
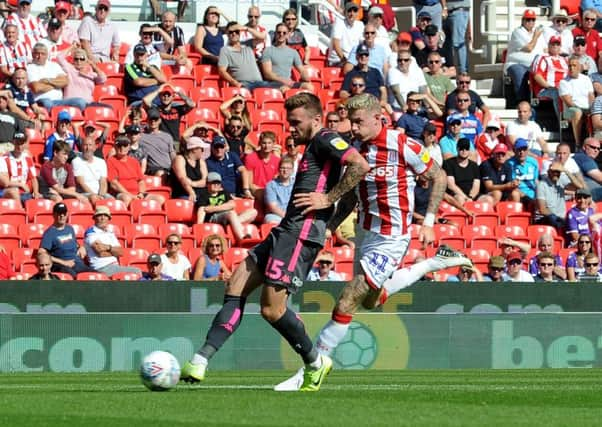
{"points": [[358, 350], [160, 371]]}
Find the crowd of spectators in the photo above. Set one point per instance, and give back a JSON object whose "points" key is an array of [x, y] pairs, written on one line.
{"points": [[203, 124]]}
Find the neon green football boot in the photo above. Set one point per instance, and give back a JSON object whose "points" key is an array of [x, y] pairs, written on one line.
{"points": [[191, 373], [312, 378]]}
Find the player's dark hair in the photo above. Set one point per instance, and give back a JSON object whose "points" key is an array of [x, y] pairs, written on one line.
{"points": [[307, 100]]}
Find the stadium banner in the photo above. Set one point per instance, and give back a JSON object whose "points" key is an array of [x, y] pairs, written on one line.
{"points": [[117, 342], [206, 298]]}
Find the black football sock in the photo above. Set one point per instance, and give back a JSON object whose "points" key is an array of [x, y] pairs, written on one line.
{"points": [[292, 329], [225, 323]]}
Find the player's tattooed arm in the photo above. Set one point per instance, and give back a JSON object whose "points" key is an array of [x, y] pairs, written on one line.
{"points": [[439, 183], [345, 206], [355, 169]]}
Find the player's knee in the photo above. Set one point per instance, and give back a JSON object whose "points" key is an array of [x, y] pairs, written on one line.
{"points": [[271, 313]]}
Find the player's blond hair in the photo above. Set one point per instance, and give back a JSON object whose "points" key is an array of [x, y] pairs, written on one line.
{"points": [[364, 101]]}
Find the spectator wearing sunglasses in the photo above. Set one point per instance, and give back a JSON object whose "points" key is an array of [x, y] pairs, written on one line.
{"points": [[402, 80], [373, 79], [546, 264], [379, 54], [346, 34], [255, 35], [588, 65], [545, 245], [559, 27], [476, 102], [593, 45], [591, 271], [433, 44], [323, 271], [551, 207], [514, 269], [153, 48], [586, 160], [495, 269]]}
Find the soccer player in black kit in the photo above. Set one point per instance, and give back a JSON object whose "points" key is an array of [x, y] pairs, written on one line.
{"points": [[281, 262]]}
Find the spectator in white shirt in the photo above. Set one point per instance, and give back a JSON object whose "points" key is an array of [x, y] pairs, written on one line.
{"points": [[577, 94]]}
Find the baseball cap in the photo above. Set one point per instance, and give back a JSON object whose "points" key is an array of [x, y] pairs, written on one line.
{"points": [[497, 262], [583, 192], [102, 210], [167, 89], [493, 124], [521, 143], [54, 23], [375, 10], [19, 135], [529, 14], [350, 6], [106, 3], [454, 119], [89, 124], [64, 116], [59, 208], [513, 256], [214, 177], [132, 129], [404, 37], [579, 41], [431, 30], [463, 144], [424, 14], [195, 142], [555, 39], [24, 1], [429, 128], [139, 49], [362, 49], [62, 5], [154, 259], [218, 140], [122, 141], [500, 148], [153, 113]]}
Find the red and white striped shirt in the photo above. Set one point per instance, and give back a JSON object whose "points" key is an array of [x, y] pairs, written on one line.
{"points": [[31, 29], [13, 57], [551, 68], [21, 169], [386, 193]]}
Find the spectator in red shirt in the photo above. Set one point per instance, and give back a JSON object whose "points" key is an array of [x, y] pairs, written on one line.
{"points": [[263, 163], [57, 181], [548, 70], [593, 45]]}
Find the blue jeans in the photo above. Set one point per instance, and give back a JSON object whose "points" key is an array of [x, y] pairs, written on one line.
{"points": [[457, 24], [552, 93], [73, 102], [520, 80]]}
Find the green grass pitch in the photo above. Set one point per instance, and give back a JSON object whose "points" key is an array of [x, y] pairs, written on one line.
{"points": [[348, 398]]}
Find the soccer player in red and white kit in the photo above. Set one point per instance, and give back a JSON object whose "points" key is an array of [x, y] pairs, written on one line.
{"points": [[386, 196]]}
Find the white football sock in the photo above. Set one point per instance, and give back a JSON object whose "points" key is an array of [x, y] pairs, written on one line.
{"points": [[197, 359], [407, 276], [330, 337]]}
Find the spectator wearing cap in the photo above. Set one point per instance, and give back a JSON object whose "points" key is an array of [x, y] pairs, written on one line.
{"points": [[14, 53], [488, 140], [439, 85], [147, 33], [47, 80], [495, 269], [217, 206], [125, 176], [586, 160], [57, 181], [420, 109], [157, 145], [588, 65], [496, 177], [83, 76], [54, 40], [234, 175], [449, 141], [18, 175], [476, 102], [593, 45], [547, 71], [32, 27], [134, 133], [59, 241], [577, 94], [527, 129], [560, 22], [141, 78], [98, 35], [526, 170], [237, 64], [278, 191], [189, 171], [62, 12], [323, 271], [471, 125], [526, 43], [375, 83], [432, 45], [62, 133], [551, 207], [262, 164], [346, 34], [91, 172], [102, 246], [154, 264], [376, 17], [436, 10], [403, 79], [378, 54], [514, 269], [278, 61], [463, 177], [171, 112], [429, 139], [423, 20]]}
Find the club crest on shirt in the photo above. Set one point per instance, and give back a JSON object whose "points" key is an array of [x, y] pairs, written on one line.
{"points": [[425, 156], [339, 143]]}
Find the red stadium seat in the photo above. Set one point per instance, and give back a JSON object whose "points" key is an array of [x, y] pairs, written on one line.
{"points": [[180, 210], [36, 206], [234, 256], [31, 234], [23, 256], [125, 276], [11, 212], [512, 213], [131, 231], [92, 276], [148, 211], [201, 231]]}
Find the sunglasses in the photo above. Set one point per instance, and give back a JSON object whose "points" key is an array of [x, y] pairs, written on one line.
{"points": [[282, 33], [253, 16], [369, 33], [530, 19], [233, 32], [584, 242], [463, 100], [79, 59], [561, 21], [581, 196], [333, 120], [515, 262], [588, 19], [290, 146], [147, 34], [358, 85], [463, 82], [290, 19], [353, 9], [496, 269], [173, 242], [546, 264], [593, 147], [413, 100], [591, 264], [104, 8], [434, 62], [325, 262], [215, 245], [403, 60], [236, 127]]}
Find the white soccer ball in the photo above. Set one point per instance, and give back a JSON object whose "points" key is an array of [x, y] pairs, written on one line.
{"points": [[160, 371]]}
